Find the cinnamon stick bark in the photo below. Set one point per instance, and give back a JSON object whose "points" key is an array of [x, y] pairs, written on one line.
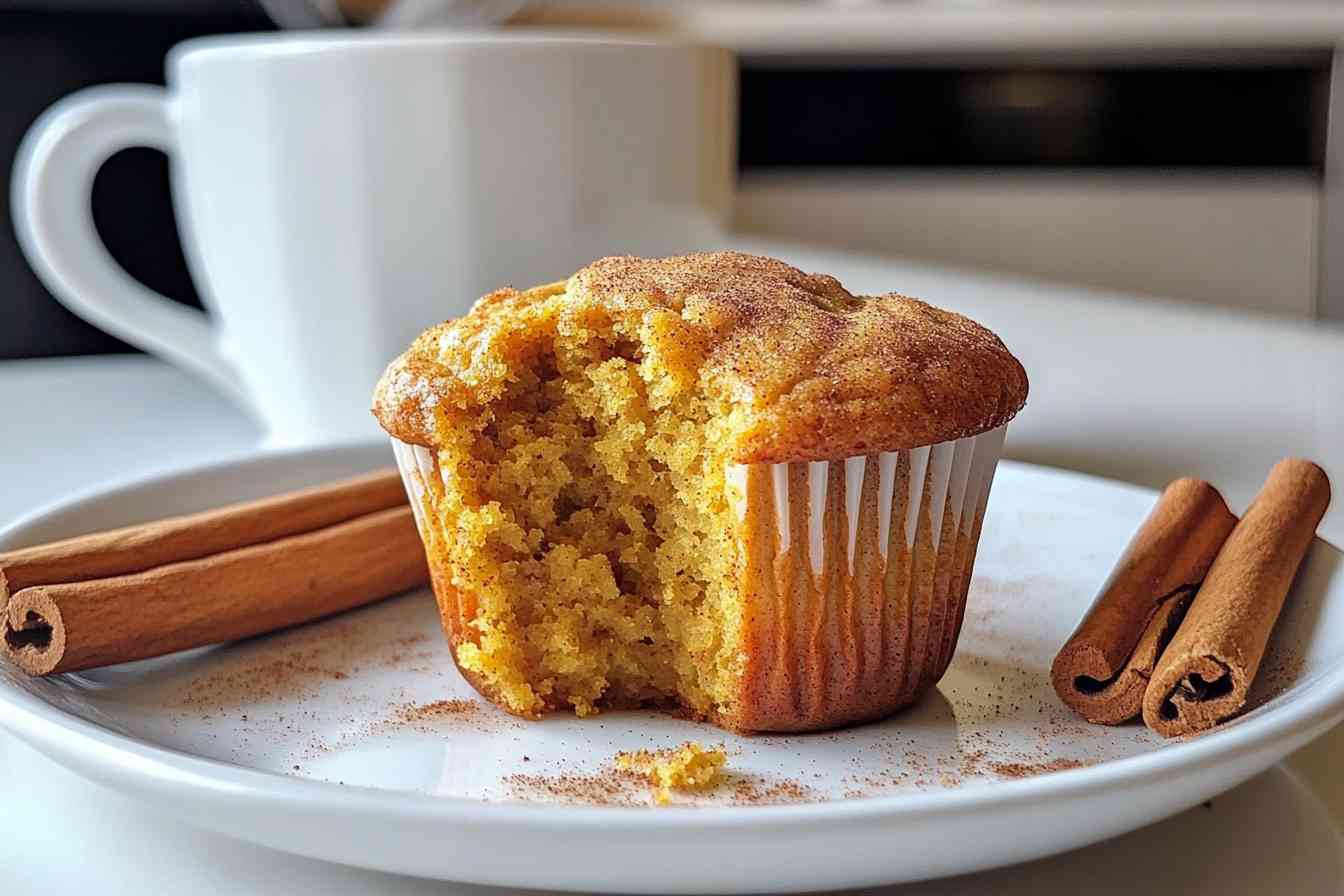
{"points": [[1102, 671], [1207, 669], [206, 578], [137, 548]]}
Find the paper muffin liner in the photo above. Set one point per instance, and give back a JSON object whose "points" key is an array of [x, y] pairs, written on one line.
{"points": [[854, 575], [855, 578]]}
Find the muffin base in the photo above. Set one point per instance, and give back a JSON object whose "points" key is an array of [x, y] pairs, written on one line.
{"points": [[854, 577]]}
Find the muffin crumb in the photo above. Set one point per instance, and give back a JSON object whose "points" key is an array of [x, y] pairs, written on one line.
{"points": [[688, 767]]}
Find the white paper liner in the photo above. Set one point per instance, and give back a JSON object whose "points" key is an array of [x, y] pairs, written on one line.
{"points": [[415, 463], [961, 470]]}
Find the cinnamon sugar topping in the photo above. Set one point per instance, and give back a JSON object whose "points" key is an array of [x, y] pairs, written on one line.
{"points": [[821, 373]]}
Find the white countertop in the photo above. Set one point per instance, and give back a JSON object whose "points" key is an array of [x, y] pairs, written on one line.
{"points": [[1123, 387]]}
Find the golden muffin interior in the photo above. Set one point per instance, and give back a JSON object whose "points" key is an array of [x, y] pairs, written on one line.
{"points": [[581, 526], [584, 511]]}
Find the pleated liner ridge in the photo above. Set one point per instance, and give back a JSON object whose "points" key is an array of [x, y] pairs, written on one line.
{"points": [[856, 575], [854, 582]]}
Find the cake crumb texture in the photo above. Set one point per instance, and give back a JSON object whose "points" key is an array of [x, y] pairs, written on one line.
{"points": [[689, 767], [584, 549]]}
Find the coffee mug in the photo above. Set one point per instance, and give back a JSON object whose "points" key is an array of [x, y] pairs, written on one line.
{"points": [[337, 193]]}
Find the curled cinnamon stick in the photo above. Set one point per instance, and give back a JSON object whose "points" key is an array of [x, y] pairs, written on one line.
{"points": [[1207, 669], [1102, 671], [206, 578]]}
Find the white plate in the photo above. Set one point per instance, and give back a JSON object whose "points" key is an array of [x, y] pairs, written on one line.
{"points": [[251, 739], [1293, 847]]}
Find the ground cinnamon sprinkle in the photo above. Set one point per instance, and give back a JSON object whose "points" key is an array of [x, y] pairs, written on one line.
{"points": [[439, 709], [293, 665], [751, 790], [611, 787], [297, 674], [275, 688], [1031, 769]]}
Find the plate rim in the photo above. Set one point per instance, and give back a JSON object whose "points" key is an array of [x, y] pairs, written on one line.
{"points": [[69, 739]]}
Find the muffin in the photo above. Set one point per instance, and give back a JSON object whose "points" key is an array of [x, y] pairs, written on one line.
{"points": [[713, 484]]}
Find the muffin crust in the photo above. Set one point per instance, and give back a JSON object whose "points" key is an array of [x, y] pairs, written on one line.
{"points": [[818, 373]]}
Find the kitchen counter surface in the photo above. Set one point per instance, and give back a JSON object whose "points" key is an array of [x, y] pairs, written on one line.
{"points": [[1121, 386]]}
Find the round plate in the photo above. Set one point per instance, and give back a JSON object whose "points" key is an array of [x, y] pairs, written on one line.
{"points": [[355, 740]]}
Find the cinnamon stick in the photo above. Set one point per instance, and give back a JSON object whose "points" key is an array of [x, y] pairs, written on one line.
{"points": [[137, 548], [206, 578], [1207, 669], [1102, 671]]}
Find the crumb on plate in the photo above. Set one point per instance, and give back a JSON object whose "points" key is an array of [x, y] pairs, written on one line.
{"points": [[687, 767]]}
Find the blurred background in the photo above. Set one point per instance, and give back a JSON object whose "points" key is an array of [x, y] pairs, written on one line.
{"points": [[1175, 150]]}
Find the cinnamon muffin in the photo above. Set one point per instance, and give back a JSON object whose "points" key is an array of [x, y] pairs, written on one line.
{"points": [[711, 483]]}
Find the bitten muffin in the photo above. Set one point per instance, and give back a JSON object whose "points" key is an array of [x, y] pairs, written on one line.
{"points": [[712, 483]]}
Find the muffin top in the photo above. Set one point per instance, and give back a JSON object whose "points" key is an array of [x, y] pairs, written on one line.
{"points": [[807, 370]]}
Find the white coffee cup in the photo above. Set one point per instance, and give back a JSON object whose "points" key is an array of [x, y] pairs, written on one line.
{"points": [[336, 193]]}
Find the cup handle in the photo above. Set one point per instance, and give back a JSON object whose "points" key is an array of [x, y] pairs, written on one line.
{"points": [[51, 195]]}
